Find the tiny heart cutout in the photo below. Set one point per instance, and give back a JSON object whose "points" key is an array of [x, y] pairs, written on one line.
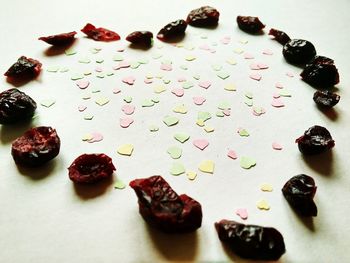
{"points": [[148, 81], [247, 162], [262, 66], [255, 76], [201, 143], [179, 92], [198, 100], [225, 40], [248, 56], [279, 85], [128, 109], [207, 166], [129, 80], [83, 84], [232, 154], [166, 67], [126, 149], [277, 103], [125, 122], [263, 205], [242, 213], [122, 64], [81, 108], [95, 137], [276, 146], [254, 66], [204, 84]]}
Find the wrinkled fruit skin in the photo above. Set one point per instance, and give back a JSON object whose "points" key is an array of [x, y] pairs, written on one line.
{"points": [[205, 16], [326, 99], [60, 39], [162, 208], [90, 168], [100, 34], [140, 38], [280, 36], [315, 140], [36, 146], [321, 73], [250, 24], [251, 241], [173, 29], [15, 106], [299, 192], [299, 51], [24, 68]]}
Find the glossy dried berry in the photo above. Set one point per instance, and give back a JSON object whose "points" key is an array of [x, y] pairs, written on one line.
{"points": [[162, 208], [250, 24], [205, 16], [172, 30], [251, 241], [24, 68], [60, 39], [299, 192], [315, 140], [140, 38], [326, 99], [91, 168], [36, 146], [299, 51], [15, 106], [100, 33], [280, 36]]}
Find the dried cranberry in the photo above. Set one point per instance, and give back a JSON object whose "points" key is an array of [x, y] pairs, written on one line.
{"points": [[172, 30], [251, 241], [24, 68], [205, 16], [279, 36], [36, 146], [60, 39], [140, 38], [91, 168], [161, 207], [250, 24], [315, 140], [15, 106], [100, 34], [326, 98], [299, 192], [299, 51]]}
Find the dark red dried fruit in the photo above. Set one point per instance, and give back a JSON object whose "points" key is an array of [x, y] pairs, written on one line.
{"points": [[162, 208], [299, 192], [24, 68], [15, 106], [250, 24], [299, 51], [100, 34], [315, 140], [251, 241], [280, 36], [172, 30], [60, 39], [326, 99], [140, 38], [36, 146], [205, 16], [91, 168]]}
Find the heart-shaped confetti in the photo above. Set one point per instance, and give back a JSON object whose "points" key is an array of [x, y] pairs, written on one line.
{"points": [[119, 184], [277, 103], [128, 109], [77, 76], [101, 101], [204, 115], [170, 120], [81, 108], [243, 132], [126, 149], [179, 92], [207, 166], [208, 129], [263, 205], [232, 154], [226, 40], [279, 85], [190, 58], [129, 80], [266, 187], [128, 99], [201, 143], [242, 213], [166, 67], [187, 85], [147, 103], [181, 137], [180, 109], [223, 75], [267, 52], [248, 56], [231, 61], [159, 89], [204, 84], [247, 162], [83, 84], [198, 100], [88, 117], [290, 74], [220, 114], [191, 175], [227, 112], [230, 87], [116, 91], [125, 122], [200, 123], [95, 137], [177, 169], [122, 64], [174, 152], [47, 103], [148, 81], [255, 76], [276, 146]]}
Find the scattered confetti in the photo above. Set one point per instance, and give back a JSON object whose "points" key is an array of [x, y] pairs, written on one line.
{"points": [[266, 187], [285, 93], [279, 85], [159, 89], [277, 103], [116, 91], [208, 129], [232, 154], [77, 76], [119, 184], [204, 84], [238, 51], [177, 169], [153, 128], [203, 115], [248, 56], [276, 146], [88, 117], [125, 122], [181, 137], [128, 99], [198, 100], [196, 77], [70, 52], [155, 99], [290, 74], [84, 60], [82, 84], [267, 52], [207, 166], [226, 40], [257, 111], [227, 112], [201, 143], [187, 85], [190, 58], [94, 137], [122, 64], [243, 132], [184, 67], [81, 108], [230, 87], [63, 70], [53, 69], [223, 75], [243, 41], [118, 58], [166, 67], [101, 101], [128, 109], [231, 61], [129, 80], [170, 120], [220, 114], [100, 75], [216, 67], [147, 103], [174, 152], [263, 205], [247, 162], [255, 76], [179, 92], [47, 103], [191, 175], [126, 149], [224, 105], [242, 213], [200, 123], [180, 109]]}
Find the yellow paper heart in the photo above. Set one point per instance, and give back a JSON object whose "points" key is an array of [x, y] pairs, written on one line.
{"points": [[266, 188], [180, 109], [207, 166], [126, 149], [230, 87], [200, 123], [263, 205], [191, 175]]}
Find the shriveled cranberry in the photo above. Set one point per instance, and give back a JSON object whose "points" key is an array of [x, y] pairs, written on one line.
{"points": [[280, 36], [205, 16], [250, 24], [24, 68], [15, 106], [36, 146], [91, 168], [251, 241], [162, 208], [100, 33], [315, 140], [140, 38], [326, 99], [60, 39], [299, 51], [172, 30], [299, 192]]}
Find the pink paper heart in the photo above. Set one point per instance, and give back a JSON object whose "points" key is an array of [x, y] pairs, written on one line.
{"points": [[255, 76], [98, 69], [277, 103], [232, 154], [81, 108], [148, 81], [128, 109], [179, 92], [166, 67], [290, 74], [204, 84], [201, 143], [181, 79], [267, 52], [125, 122], [116, 91], [242, 213], [96, 137], [227, 112], [248, 56], [129, 80], [263, 66], [198, 100], [122, 64], [254, 66], [276, 95], [225, 40], [276, 146], [83, 84], [279, 85]]}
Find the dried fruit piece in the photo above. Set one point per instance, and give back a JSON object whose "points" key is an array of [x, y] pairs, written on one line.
{"points": [[15, 106], [90, 168], [326, 98], [315, 140], [161, 207], [173, 29], [251, 241], [250, 24], [205, 16], [280, 36], [60, 39], [299, 51], [36, 146], [100, 33], [140, 38], [299, 192], [24, 68]]}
